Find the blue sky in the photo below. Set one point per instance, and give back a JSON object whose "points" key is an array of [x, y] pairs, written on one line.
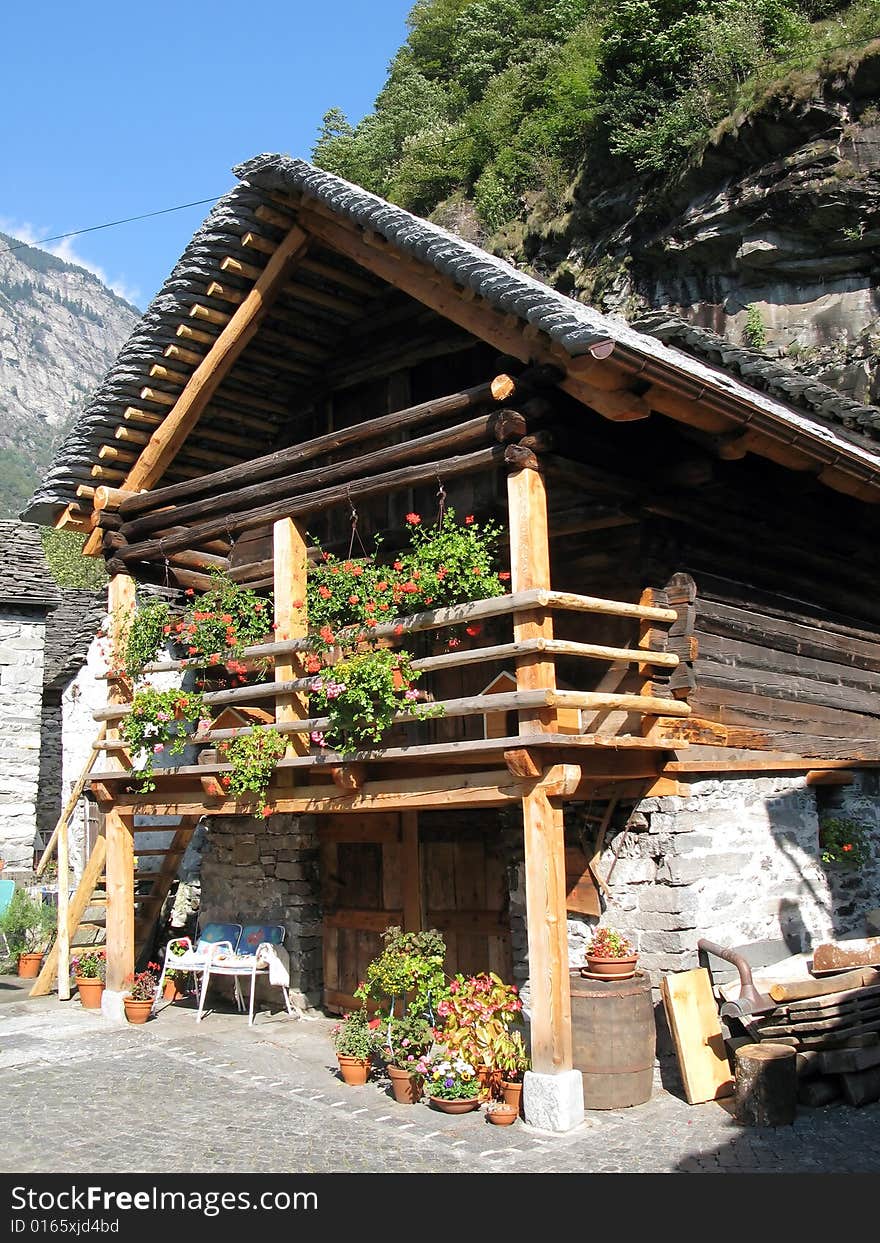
{"points": [[115, 109]]}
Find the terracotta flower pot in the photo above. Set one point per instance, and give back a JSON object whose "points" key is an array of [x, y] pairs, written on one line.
{"points": [[172, 992], [609, 968], [490, 1083], [502, 1117], [454, 1107], [137, 1011], [354, 1070], [407, 1088], [511, 1093], [90, 991], [29, 965]]}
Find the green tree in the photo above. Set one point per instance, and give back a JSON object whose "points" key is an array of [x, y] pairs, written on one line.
{"points": [[67, 565]]}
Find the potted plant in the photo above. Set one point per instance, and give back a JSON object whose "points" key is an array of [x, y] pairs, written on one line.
{"points": [[28, 924], [138, 1001], [254, 758], [477, 1017], [843, 842], [450, 1081], [354, 1042], [609, 956], [401, 1043], [514, 1061], [89, 969], [157, 721], [406, 983], [363, 694], [500, 1113]]}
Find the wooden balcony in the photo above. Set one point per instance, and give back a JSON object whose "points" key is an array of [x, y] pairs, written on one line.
{"points": [[617, 721]]}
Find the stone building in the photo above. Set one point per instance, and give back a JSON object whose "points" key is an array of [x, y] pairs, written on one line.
{"points": [[28, 595], [692, 558]]}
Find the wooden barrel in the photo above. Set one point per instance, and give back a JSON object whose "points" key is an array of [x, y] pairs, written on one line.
{"points": [[614, 1039]]}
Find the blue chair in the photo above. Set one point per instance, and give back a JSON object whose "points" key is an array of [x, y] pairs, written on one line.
{"points": [[259, 952], [182, 955]]}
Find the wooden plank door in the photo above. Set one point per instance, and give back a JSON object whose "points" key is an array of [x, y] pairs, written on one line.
{"points": [[361, 893]]}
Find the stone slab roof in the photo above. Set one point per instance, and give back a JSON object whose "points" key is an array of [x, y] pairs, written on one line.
{"points": [[70, 630], [24, 574], [804, 408]]}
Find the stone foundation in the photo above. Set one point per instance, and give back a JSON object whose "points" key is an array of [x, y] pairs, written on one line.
{"points": [[256, 871]]}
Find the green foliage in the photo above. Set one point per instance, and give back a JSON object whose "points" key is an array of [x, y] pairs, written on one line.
{"points": [[28, 923], [502, 99], [145, 635], [608, 943], [89, 964], [451, 563], [157, 722], [409, 967], [253, 758], [754, 332], [843, 840], [63, 552], [353, 1036], [361, 696]]}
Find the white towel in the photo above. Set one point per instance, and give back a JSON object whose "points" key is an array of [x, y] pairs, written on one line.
{"points": [[279, 964]]}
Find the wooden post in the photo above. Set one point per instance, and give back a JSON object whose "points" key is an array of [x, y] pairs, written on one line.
{"points": [[291, 622], [63, 934], [120, 607], [119, 831], [411, 871], [544, 837], [551, 1043], [530, 568]]}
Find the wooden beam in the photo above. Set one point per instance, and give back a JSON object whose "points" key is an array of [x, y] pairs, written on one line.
{"points": [[168, 439], [411, 871], [505, 332], [458, 438], [121, 604], [290, 565], [119, 829], [530, 569], [544, 840], [286, 460], [78, 903]]}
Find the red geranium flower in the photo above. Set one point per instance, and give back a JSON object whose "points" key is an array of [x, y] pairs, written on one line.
{"points": [[413, 519]]}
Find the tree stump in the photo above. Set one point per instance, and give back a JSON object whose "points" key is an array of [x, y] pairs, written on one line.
{"points": [[765, 1085]]}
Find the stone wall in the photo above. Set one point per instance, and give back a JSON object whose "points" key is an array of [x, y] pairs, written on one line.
{"points": [[22, 636], [737, 861], [255, 871]]}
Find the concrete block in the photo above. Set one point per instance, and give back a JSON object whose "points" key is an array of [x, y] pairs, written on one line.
{"points": [[668, 898], [112, 1007], [685, 871], [553, 1102]]}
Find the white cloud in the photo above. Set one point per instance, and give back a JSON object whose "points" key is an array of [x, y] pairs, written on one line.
{"points": [[64, 249]]}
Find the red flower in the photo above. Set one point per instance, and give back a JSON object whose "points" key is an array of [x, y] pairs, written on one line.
{"points": [[846, 846], [413, 519], [189, 592], [398, 565], [468, 520], [353, 599], [267, 811], [325, 593], [504, 576], [474, 629]]}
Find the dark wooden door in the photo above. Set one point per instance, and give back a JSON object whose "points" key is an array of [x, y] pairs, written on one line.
{"points": [[381, 869]]}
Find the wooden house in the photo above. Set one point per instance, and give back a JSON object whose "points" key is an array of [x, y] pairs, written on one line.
{"points": [[693, 541]]}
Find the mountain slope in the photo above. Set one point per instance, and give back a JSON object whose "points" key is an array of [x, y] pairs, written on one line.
{"points": [[60, 329]]}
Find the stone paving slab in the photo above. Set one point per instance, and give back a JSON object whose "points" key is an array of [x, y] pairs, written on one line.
{"points": [[84, 1094]]}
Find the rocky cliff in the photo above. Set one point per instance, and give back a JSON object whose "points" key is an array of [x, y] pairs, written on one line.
{"points": [[60, 329], [771, 239]]}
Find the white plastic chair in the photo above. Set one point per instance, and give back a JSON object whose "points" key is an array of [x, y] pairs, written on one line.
{"points": [[258, 944]]}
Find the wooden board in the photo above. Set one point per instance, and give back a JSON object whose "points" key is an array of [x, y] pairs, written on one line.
{"points": [[696, 1030]]}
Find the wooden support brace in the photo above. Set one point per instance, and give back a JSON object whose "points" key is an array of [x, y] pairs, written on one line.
{"points": [[290, 567], [119, 830]]}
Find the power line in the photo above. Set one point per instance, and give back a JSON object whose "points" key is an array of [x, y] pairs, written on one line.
{"points": [[111, 224]]}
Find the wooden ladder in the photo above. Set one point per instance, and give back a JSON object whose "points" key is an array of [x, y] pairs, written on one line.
{"points": [[90, 893]]}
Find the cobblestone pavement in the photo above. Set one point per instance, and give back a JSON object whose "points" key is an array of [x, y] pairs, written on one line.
{"points": [[82, 1094]]}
